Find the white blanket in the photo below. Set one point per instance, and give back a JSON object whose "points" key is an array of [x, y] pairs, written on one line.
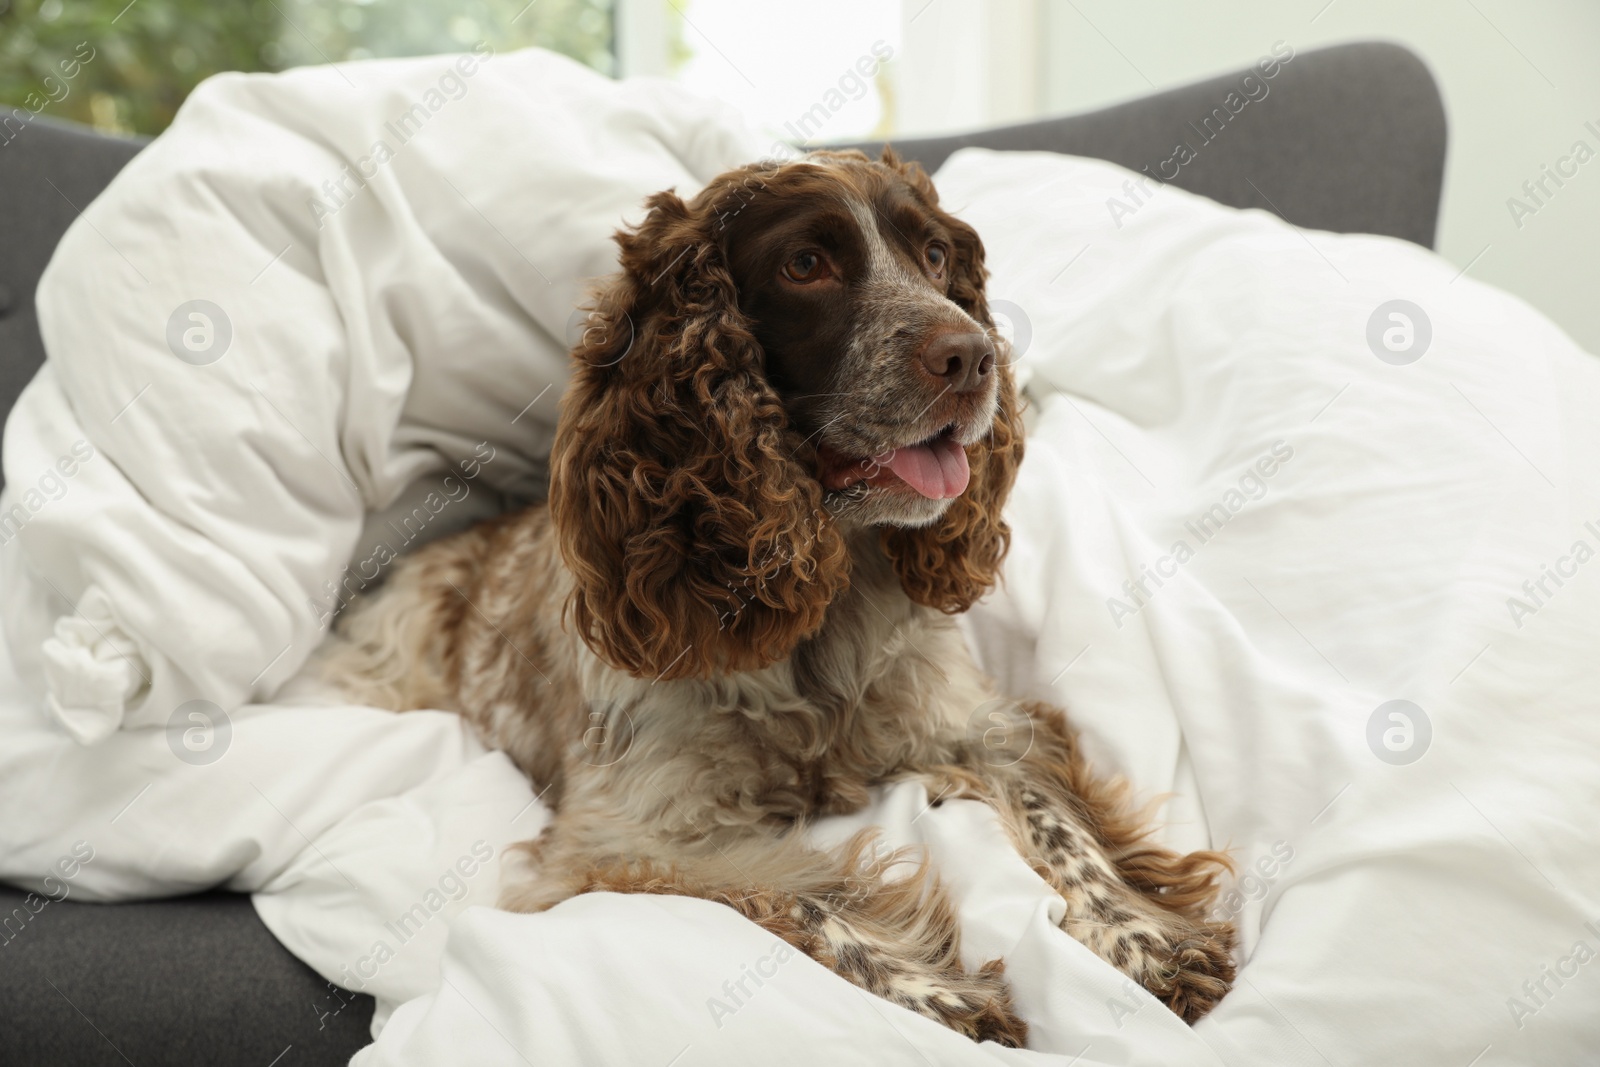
{"points": [[1419, 882], [353, 277]]}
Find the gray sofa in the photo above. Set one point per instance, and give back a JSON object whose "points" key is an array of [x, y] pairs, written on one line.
{"points": [[1350, 138]]}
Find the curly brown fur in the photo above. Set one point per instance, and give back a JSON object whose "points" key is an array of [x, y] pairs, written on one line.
{"points": [[680, 482], [780, 467]]}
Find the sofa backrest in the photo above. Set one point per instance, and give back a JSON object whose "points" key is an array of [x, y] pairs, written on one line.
{"points": [[1349, 138]]}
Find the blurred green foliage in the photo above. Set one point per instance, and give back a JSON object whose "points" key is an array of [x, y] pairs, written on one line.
{"points": [[126, 67]]}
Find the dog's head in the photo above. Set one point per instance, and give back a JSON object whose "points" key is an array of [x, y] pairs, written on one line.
{"points": [[801, 352]]}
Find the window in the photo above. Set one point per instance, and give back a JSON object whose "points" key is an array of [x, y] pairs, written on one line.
{"points": [[125, 67], [813, 72]]}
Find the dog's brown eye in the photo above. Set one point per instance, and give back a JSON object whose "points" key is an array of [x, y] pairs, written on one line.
{"points": [[806, 267], [937, 254]]}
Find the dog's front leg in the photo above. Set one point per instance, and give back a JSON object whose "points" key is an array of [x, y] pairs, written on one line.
{"points": [[895, 938], [1137, 905]]}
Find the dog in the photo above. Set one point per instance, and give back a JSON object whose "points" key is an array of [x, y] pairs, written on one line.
{"points": [[779, 471]]}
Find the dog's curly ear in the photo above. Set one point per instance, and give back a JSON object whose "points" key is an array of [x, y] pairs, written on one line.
{"points": [[953, 562], [681, 498]]}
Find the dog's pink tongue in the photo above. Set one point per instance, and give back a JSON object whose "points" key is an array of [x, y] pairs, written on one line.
{"points": [[938, 471]]}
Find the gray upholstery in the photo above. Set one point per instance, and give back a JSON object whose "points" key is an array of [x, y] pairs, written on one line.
{"points": [[197, 980], [1350, 139]]}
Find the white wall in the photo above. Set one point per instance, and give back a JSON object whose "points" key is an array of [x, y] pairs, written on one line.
{"points": [[952, 64], [965, 64], [1520, 79], [819, 70]]}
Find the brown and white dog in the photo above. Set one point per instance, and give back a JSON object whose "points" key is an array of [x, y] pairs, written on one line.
{"points": [[779, 472]]}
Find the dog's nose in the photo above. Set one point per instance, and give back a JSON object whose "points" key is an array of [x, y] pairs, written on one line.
{"points": [[963, 358]]}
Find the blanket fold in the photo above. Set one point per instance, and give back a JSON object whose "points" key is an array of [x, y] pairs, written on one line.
{"points": [[313, 290]]}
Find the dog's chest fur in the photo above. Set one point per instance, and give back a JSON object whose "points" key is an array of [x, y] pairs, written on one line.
{"points": [[868, 695], [884, 684]]}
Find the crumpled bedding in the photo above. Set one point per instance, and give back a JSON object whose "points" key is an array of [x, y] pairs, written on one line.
{"points": [[355, 277], [1312, 576]]}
